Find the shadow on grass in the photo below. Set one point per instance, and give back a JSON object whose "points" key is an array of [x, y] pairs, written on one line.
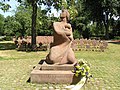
{"points": [[7, 46], [115, 42], [29, 80]]}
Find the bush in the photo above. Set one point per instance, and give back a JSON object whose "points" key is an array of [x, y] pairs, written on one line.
{"points": [[2, 38], [76, 34], [8, 38], [117, 38]]}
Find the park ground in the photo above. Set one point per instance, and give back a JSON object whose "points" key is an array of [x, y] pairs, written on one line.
{"points": [[15, 68]]}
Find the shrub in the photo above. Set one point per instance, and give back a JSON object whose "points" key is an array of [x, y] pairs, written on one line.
{"points": [[8, 38]]}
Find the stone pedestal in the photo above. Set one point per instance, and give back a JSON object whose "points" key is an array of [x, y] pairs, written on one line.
{"points": [[62, 74]]}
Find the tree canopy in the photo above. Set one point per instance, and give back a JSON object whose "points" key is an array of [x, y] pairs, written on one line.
{"points": [[88, 18]]}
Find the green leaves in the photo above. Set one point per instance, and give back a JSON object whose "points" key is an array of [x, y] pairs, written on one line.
{"points": [[4, 7], [73, 12], [87, 17], [1, 24], [11, 26], [19, 1]]}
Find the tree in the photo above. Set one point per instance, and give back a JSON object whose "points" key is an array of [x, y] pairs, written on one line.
{"points": [[11, 27], [23, 16], [4, 7], [34, 3], [34, 15], [1, 24], [79, 18], [82, 12], [102, 12]]}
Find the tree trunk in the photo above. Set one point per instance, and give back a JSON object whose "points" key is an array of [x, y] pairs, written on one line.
{"points": [[106, 24], [106, 32], [34, 15]]}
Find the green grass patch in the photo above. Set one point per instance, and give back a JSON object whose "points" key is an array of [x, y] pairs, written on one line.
{"points": [[15, 68]]}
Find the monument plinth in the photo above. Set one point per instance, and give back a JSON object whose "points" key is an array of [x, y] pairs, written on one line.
{"points": [[45, 73]]}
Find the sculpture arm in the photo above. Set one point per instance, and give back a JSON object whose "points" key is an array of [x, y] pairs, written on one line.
{"points": [[69, 31], [59, 30]]}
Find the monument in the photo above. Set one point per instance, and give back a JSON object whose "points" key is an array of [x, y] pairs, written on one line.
{"points": [[59, 63], [61, 51]]}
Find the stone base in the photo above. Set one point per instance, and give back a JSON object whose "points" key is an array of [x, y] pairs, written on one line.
{"points": [[61, 77], [61, 74], [44, 66]]}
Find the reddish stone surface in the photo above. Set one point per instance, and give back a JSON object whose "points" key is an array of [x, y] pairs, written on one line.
{"points": [[61, 59], [54, 76], [61, 51], [64, 67], [45, 73], [38, 76]]}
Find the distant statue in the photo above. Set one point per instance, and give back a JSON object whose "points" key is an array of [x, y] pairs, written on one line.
{"points": [[61, 51]]}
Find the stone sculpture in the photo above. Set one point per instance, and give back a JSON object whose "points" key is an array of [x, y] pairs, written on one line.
{"points": [[61, 51], [61, 59]]}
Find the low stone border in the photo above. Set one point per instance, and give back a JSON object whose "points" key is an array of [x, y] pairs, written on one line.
{"points": [[78, 86]]}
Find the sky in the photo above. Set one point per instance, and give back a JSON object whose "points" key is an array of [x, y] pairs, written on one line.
{"points": [[14, 4]]}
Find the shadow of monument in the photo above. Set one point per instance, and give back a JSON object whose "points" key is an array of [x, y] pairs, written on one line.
{"points": [[114, 41], [41, 61], [76, 79], [28, 81]]}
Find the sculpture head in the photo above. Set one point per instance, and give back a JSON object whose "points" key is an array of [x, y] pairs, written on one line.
{"points": [[64, 15]]}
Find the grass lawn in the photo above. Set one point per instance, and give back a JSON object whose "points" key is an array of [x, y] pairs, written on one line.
{"points": [[15, 68]]}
